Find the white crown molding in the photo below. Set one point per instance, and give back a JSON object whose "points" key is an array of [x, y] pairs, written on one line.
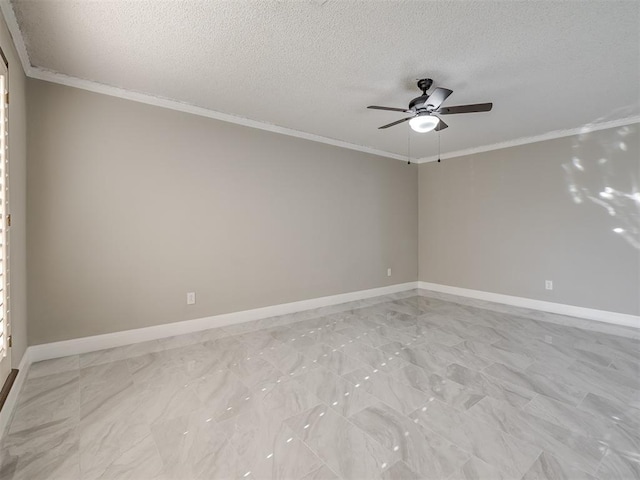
{"points": [[16, 35], [614, 318], [592, 127], [12, 398], [41, 74], [91, 86]]}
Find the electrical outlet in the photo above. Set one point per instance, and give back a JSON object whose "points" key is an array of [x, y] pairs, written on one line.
{"points": [[191, 298], [548, 284], [388, 272]]}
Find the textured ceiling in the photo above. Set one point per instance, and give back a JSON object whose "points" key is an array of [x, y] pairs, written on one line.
{"points": [[313, 66]]}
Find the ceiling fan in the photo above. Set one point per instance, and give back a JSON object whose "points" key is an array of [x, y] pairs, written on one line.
{"points": [[423, 109]]}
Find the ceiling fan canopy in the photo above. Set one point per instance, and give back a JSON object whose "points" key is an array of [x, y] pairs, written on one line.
{"points": [[425, 108]]}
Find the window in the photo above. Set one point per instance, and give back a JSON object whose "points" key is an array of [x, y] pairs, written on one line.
{"points": [[4, 223]]}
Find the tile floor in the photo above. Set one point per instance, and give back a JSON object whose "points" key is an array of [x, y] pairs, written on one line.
{"points": [[398, 387]]}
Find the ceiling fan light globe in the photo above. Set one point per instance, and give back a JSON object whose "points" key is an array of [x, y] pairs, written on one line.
{"points": [[423, 123]]}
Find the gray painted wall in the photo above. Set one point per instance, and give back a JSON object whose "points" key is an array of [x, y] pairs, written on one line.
{"points": [[17, 196], [507, 220], [131, 206]]}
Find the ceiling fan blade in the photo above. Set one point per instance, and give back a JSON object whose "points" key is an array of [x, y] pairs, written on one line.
{"points": [[375, 107], [477, 107], [438, 96], [441, 126], [394, 123]]}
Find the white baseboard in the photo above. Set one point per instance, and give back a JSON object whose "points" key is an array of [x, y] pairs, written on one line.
{"points": [[615, 318], [10, 403], [117, 339]]}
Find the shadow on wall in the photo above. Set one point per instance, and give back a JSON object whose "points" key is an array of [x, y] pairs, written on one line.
{"points": [[604, 171]]}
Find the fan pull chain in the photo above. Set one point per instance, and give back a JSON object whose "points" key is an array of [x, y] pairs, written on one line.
{"points": [[438, 147], [409, 147]]}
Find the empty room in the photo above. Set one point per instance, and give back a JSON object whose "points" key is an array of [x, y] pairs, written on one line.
{"points": [[319, 240]]}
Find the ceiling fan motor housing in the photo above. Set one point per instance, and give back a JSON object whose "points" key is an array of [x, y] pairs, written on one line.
{"points": [[418, 102], [424, 84]]}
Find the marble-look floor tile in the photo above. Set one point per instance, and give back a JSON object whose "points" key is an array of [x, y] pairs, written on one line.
{"points": [[106, 373], [489, 386], [465, 329], [103, 442], [621, 436], [369, 337], [496, 354], [428, 333], [406, 336], [547, 467], [374, 357], [416, 306], [290, 361], [417, 355], [47, 466], [256, 373], [456, 354], [614, 410], [386, 388], [118, 353], [609, 347], [619, 466], [630, 368], [476, 469], [495, 447], [260, 340], [289, 458], [423, 451], [343, 447], [588, 380], [151, 366], [333, 359], [399, 320], [340, 395], [8, 464], [439, 387], [252, 434], [140, 461], [331, 338], [400, 471], [57, 365], [46, 399], [537, 383], [322, 473], [484, 392], [615, 383], [221, 393], [297, 339], [266, 447], [551, 355], [58, 437], [194, 447], [216, 354], [575, 449], [288, 398], [102, 403]]}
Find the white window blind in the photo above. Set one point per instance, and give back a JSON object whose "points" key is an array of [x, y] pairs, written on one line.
{"points": [[4, 223]]}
